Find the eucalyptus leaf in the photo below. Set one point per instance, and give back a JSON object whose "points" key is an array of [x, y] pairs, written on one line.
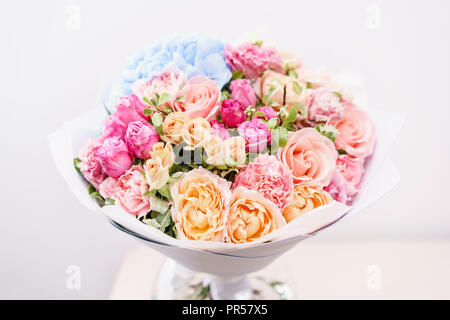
{"points": [[158, 204], [163, 98], [165, 192]]}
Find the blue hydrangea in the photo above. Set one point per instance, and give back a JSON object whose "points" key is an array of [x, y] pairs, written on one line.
{"points": [[193, 55]]}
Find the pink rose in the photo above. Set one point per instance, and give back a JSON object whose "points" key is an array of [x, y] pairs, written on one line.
{"points": [[232, 113], [140, 138], [131, 108], [338, 188], [256, 135], [114, 157], [250, 59], [113, 127], [356, 132], [323, 105], [107, 188], [242, 91], [90, 165], [168, 82], [352, 170], [311, 157], [217, 129], [268, 176], [269, 113], [202, 97], [129, 190]]}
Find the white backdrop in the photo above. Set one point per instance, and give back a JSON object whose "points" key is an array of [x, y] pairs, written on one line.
{"points": [[55, 55]]}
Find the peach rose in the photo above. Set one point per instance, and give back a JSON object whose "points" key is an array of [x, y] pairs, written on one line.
{"points": [[234, 149], [251, 216], [305, 199], [276, 81], [157, 167], [200, 205], [173, 126], [311, 157], [356, 132], [202, 97], [195, 131]]}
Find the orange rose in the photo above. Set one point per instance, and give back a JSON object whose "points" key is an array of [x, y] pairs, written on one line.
{"points": [[251, 216], [305, 199], [195, 132], [200, 205]]}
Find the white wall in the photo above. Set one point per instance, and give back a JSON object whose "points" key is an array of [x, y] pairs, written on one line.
{"points": [[51, 72]]}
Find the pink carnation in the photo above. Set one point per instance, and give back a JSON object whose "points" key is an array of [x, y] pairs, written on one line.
{"points": [[232, 113], [269, 177], [129, 192], [90, 165], [250, 59], [338, 188], [256, 134], [113, 127], [140, 138], [219, 130], [323, 105], [352, 170], [114, 157], [107, 188], [242, 91]]}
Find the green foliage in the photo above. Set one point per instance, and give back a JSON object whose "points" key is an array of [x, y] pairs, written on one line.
{"points": [[328, 131], [76, 163]]}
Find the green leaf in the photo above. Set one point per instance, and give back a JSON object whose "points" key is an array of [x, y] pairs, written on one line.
{"points": [[149, 193], [109, 202], [148, 101], [158, 204], [225, 95], [152, 222], [76, 162], [237, 75], [300, 108], [165, 192], [293, 73], [163, 98], [182, 99], [280, 136], [157, 121], [341, 151], [308, 85], [339, 95], [147, 111], [291, 116], [164, 220], [297, 87], [272, 123], [328, 131], [258, 43]]}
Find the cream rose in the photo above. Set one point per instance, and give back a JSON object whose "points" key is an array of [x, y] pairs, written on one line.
{"points": [[214, 147], [251, 216], [295, 91], [196, 131], [305, 199], [234, 149], [311, 157], [173, 127], [157, 167], [200, 205]]}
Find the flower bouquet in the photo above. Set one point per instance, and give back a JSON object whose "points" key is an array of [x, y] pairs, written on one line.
{"points": [[224, 156]]}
